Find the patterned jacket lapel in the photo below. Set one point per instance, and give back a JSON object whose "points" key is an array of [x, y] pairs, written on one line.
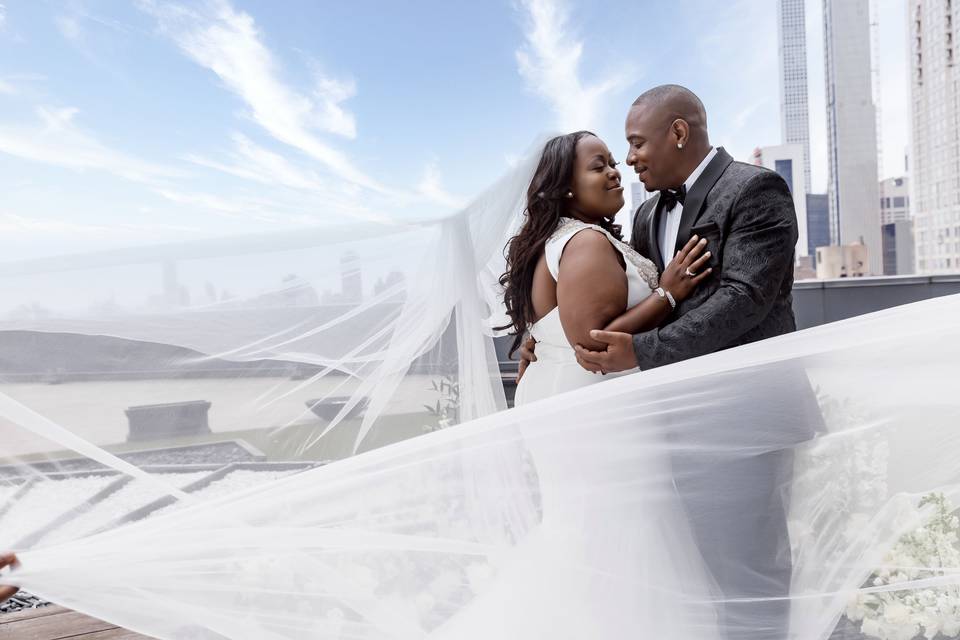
{"points": [[695, 197]]}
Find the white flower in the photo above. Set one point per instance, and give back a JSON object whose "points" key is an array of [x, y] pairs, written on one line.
{"points": [[870, 627]]}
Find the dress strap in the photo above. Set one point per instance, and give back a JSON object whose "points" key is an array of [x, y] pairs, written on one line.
{"points": [[570, 227]]}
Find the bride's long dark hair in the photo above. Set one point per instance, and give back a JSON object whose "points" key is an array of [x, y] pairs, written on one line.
{"points": [[547, 202]]}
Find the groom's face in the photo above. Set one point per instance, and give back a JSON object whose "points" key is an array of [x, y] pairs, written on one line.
{"points": [[651, 150]]}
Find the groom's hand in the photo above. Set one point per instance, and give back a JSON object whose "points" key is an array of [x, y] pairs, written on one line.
{"points": [[618, 356]]}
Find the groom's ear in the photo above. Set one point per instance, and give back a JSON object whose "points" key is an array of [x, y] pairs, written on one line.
{"points": [[680, 131]]}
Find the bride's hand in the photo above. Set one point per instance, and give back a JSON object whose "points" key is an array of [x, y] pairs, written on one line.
{"points": [[7, 559], [676, 277]]}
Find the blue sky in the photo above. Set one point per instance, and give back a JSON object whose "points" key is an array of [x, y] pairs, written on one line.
{"points": [[130, 122]]}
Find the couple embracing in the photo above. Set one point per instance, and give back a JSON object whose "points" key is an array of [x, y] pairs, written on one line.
{"points": [[709, 266]]}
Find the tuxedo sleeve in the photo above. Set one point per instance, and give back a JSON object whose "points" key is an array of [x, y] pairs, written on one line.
{"points": [[757, 255]]}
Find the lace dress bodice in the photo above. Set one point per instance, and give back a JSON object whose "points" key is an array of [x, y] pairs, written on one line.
{"points": [[642, 279]]}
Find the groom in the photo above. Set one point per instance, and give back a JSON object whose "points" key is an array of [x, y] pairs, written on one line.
{"points": [[736, 505], [746, 214]]}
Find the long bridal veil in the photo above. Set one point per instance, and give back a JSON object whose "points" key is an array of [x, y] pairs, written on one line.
{"points": [[306, 436]]}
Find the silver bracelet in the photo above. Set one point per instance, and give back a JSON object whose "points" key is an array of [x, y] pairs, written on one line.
{"points": [[663, 293]]}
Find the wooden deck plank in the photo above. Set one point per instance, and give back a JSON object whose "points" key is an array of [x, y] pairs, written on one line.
{"points": [[68, 624], [27, 614], [59, 623], [113, 634]]}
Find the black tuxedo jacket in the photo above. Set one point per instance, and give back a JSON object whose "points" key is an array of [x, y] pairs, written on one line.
{"points": [[746, 214]]}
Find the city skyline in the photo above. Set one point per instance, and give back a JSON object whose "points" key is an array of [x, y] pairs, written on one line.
{"points": [[141, 123]]}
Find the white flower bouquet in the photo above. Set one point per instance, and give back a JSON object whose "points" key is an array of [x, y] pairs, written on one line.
{"points": [[923, 607]]}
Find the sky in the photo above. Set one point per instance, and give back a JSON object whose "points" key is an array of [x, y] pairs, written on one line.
{"points": [[131, 122]]}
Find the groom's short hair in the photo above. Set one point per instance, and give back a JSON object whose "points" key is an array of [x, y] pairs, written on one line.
{"points": [[676, 102]]}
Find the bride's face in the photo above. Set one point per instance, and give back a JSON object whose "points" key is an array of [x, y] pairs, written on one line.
{"points": [[596, 188]]}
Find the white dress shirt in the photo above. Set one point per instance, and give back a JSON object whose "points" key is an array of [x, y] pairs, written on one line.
{"points": [[670, 220]]}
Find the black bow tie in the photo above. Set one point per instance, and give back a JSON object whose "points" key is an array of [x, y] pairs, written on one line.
{"points": [[670, 197]]}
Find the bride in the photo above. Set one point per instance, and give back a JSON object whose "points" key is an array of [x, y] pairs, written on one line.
{"points": [[569, 272]]}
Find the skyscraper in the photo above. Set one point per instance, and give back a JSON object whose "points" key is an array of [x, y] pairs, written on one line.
{"points": [[852, 190], [794, 108], [935, 144]]}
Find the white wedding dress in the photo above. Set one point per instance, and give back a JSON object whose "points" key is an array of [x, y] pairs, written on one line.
{"points": [[556, 369], [645, 576]]}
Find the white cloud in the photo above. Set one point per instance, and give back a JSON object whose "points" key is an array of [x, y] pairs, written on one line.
{"points": [[254, 162], [330, 115], [742, 118], [219, 205], [7, 88], [228, 43], [550, 64], [431, 187], [59, 141], [13, 223], [69, 27]]}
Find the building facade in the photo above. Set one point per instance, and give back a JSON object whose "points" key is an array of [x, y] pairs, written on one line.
{"points": [[853, 193], [847, 261], [894, 200], [935, 127], [818, 222], [898, 248], [794, 106]]}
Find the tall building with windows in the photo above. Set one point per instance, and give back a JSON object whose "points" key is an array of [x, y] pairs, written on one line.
{"points": [[894, 200], [788, 161], [853, 193], [818, 222], [794, 106], [934, 27]]}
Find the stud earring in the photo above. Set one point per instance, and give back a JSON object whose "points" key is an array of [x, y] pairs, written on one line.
{"points": [[679, 145], [569, 194]]}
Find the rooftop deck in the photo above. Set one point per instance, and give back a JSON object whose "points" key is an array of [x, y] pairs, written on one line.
{"points": [[56, 623]]}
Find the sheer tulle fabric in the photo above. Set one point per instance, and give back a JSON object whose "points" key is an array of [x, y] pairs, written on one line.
{"points": [[357, 474]]}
